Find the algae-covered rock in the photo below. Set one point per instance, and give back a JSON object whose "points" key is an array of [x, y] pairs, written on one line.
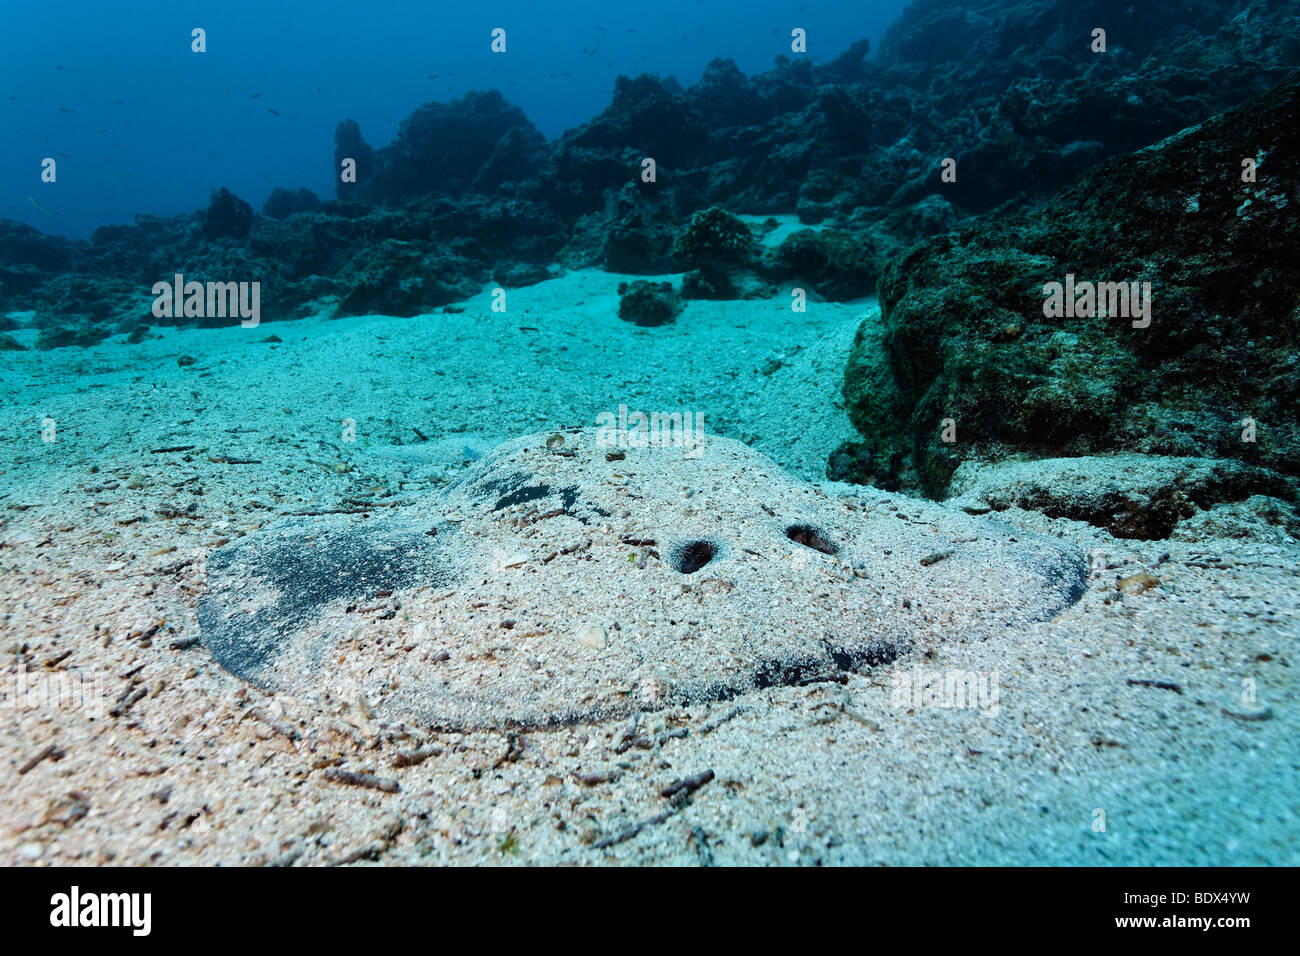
{"points": [[478, 142], [635, 231], [75, 330], [227, 216], [757, 580], [648, 303], [983, 368], [81, 311], [400, 278]]}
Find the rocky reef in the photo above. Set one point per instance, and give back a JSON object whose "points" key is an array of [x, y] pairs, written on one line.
{"points": [[648, 303], [713, 245], [272, 608], [1009, 89], [974, 363]]}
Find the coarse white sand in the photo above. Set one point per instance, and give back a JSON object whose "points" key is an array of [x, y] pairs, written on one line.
{"points": [[1128, 704]]}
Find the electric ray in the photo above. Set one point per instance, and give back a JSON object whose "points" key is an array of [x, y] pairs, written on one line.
{"points": [[556, 581]]}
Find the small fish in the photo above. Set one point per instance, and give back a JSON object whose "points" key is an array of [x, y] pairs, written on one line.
{"points": [[39, 205], [255, 96], [118, 102], [65, 109], [273, 112]]}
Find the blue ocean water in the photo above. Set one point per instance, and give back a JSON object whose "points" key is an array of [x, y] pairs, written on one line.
{"points": [[140, 123]]}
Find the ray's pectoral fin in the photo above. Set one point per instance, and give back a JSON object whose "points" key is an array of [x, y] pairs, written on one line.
{"points": [[264, 588]]}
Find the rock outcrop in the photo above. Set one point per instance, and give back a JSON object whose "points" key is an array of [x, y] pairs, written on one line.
{"points": [[1207, 218]]}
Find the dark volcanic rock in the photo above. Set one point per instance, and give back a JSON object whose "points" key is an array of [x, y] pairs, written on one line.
{"points": [[20, 244], [968, 339], [1131, 496], [349, 144], [635, 232], [714, 237], [28, 258], [519, 274], [518, 155], [476, 142], [638, 236], [1014, 92], [714, 245], [648, 115], [724, 96], [398, 278], [79, 310], [648, 303]]}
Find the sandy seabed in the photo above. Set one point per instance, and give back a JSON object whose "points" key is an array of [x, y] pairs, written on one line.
{"points": [[1120, 734]]}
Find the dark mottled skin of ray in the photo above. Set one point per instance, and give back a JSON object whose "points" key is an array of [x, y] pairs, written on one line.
{"points": [[309, 565]]}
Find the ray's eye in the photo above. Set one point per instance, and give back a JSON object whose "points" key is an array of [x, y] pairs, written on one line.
{"points": [[811, 537], [692, 556]]}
